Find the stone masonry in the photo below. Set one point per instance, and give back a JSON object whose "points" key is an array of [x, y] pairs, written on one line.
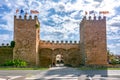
{"points": [[91, 50], [26, 37], [93, 41]]}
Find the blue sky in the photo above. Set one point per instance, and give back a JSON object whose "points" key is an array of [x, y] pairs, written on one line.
{"points": [[60, 18]]}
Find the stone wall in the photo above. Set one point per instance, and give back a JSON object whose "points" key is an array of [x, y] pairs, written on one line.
{"points": [[6, 54], [71, 56], [49, 50]]}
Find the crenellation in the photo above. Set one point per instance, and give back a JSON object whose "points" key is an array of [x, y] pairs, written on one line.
{"points": [[70, 41], [30, 17], [53, 41], [20, 17], [15, 17], [61, 41], [93, 18], [84, 18], [75, 42], [66, 41], [25, 17], [99, 18], [35, 17], [104, 17], [89, 17], [57, 41]]}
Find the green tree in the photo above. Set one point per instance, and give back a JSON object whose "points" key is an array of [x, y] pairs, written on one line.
{"points": [[7, 44], [12, 44], [3, 44], [112, 58]]}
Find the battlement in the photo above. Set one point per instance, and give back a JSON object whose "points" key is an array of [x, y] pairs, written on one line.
{"points": [[25, 17], [60, 42], [94, 18]]}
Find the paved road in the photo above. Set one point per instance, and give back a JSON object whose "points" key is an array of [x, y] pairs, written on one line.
{"points": [[60, 73]]}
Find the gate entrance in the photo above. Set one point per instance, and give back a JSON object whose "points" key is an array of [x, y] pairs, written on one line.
{"points": [[59, 60]]}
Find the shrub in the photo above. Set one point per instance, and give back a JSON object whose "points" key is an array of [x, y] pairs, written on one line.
{"points": [[37, 25], [8, 63], [12, 44], [19, 63], [15, 63], [114, 61]]}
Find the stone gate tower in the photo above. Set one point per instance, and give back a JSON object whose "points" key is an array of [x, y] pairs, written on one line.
{"points": [[93, 41], [26, 37]]}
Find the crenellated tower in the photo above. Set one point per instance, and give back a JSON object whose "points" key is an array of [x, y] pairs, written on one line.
{"points": [[93, 40], [26, 37]]}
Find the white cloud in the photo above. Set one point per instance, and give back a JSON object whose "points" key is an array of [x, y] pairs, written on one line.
{"points": [[111, 46], [57, 18], [46, 28], [9, 19], [119, 40], [5, 38], [113, 29], [113, 37], [118, 44], [68, 24], [115, 19], [114, 48]]}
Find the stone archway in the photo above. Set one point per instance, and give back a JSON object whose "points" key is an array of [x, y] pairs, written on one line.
{"points": [[59, 60], [59, 57], [51, 57]]}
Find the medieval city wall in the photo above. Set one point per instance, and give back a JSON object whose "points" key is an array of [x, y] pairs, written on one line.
{"points": [[49, 50], [6, 54]]}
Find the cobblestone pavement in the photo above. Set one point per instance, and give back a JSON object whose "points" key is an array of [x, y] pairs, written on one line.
{"points": [[60, 73]]}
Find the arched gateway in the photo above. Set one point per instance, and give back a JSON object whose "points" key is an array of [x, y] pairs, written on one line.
{"points": [[58, 54], [91, 50]]}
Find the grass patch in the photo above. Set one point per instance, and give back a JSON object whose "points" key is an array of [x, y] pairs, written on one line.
{"points": [[113, 68], [11, 68]]}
